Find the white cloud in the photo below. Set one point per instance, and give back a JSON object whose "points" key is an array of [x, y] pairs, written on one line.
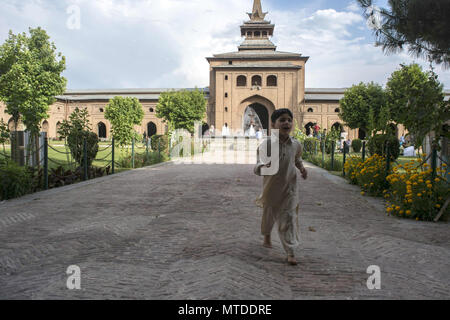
{"points": [[353, 6], [163, 43]]}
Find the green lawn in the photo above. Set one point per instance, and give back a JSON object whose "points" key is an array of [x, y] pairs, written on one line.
{"points": [[58, 158]]}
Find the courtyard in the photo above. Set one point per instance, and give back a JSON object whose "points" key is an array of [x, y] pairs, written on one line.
{"points": [[179, 231]]}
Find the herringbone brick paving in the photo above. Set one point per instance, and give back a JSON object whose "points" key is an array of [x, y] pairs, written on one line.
{"points": [[193, 232]]}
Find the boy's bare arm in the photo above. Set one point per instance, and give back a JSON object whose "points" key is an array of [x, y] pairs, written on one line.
{"points": [[299, 164]]}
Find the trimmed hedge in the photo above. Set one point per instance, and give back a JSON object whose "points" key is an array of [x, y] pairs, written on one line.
{"points": [[357, 145], [377, 145]]}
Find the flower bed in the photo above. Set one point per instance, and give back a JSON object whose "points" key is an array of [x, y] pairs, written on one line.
{"points": [[414, 193], [370, 175], [410, 189]]}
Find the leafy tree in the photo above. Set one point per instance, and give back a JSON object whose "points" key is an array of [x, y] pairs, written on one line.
{"points": [[416, 100], [30, 77], [422, 26], [181, 109], [4, 134], [75, 131], [361, 106], [124, 114], [78, 121]]}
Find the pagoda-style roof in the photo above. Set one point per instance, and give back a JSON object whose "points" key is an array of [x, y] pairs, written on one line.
{"points": [[246, 65], [258, 54]]}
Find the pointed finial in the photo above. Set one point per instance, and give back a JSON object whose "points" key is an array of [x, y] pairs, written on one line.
{"points": [[257, 14]]}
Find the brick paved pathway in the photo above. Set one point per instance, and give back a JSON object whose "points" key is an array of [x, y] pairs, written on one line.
{"points": [[192, 232]]}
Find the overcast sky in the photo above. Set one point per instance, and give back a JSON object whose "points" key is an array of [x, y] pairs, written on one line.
{"points": [[163, 43]]}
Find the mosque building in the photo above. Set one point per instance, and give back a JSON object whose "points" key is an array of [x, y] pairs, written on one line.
{"points": [[246, 86]]}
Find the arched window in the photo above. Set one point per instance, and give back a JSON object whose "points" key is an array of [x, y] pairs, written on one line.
{"points": [[151, 129], [338, 126], [337, 110], [264, 33], [226, 94], [101, 130], [310, 110], [256, 81], [58, 127], [361, 134], [226, 77], [257, 34], [271, 81], [11, 125], [45, 126], [242, 81], [249, 34], [151, 110], [101, 110]]}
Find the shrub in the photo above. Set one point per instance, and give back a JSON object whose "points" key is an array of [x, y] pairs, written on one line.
{"points": [[357, 145], [163, 143], [415, 194], [75, 140], [141, 160], [15, 181], [317, 160], [310, 145], [377, 145], [351, 167], [371, 175]]}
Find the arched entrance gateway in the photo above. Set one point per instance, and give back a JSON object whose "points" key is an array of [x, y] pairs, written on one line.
{"points": [[255, 115], [256, 111]]}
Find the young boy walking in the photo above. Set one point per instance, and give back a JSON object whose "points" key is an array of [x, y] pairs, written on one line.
{"points": [[279, 198]]}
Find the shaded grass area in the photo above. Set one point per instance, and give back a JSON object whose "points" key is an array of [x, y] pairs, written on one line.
{"points": [[59, 155]]}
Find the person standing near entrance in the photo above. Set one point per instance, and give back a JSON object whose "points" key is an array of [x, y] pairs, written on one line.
{"points": [[225, 130], [279, 198]]}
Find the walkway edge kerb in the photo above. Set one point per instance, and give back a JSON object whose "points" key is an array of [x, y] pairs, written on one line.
{"points": [[377, 203], [41, 194]]}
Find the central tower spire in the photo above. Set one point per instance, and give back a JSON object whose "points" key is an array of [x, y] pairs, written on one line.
{"points": [[257, 13], [257, 31]]}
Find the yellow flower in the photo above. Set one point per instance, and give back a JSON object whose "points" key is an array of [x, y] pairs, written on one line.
{"points": [[438, 206], [363, 193], [402, 211], [417, 219], [419, 194], [408, 212], [429, 186], [437, 180], [397, 208], [410, 201]]}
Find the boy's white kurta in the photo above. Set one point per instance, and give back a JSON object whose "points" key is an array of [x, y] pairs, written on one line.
{"points": [[279, 198]]}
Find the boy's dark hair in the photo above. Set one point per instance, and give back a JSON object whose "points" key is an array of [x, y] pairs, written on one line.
{"points": [[278, 113]]}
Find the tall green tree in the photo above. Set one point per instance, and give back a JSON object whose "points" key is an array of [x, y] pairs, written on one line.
{"points": [[124, 114], [420, 26], [4, 134], [416, 100], [361, 106], [181, 109], [30, 77]]}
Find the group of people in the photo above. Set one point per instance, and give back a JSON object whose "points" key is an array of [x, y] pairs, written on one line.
{"points": [[226, 132]]}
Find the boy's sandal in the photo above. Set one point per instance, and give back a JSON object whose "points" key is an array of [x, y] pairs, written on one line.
{"points": [[291, 260]]}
